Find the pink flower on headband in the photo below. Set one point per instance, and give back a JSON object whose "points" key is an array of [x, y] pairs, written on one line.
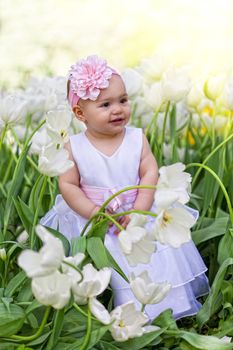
{"points": [[87, 77]]}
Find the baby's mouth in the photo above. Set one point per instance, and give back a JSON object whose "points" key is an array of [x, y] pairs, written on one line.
{"points": [[117, 120]]}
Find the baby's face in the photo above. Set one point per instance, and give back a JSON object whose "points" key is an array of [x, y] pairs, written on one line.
{"points": [[110, 112]]}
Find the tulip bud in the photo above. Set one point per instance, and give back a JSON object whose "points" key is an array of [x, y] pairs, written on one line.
{"points": [[3, 254]]}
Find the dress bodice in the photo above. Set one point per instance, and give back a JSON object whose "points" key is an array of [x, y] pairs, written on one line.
{"points": [[119, 170]]}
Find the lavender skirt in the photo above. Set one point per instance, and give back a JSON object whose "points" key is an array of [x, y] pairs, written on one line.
{"points": [[182, 267]]}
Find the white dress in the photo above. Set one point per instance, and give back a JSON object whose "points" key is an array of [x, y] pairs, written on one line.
{"points": [[100, 177]]}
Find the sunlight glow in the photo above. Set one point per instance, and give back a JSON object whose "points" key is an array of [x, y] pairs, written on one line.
{"points": [[46, 36]]}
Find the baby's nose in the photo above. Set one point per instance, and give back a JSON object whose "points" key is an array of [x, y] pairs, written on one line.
{"points": [[116, 108]]}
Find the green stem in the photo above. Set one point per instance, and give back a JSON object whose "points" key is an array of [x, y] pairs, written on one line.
{"points": [[3, 135], [143, 307], [153, 119], [213, 138], [102, 208], [100, 213], [78, 308], [75, 268], [220, 184], [164, 131], [34, 131], [7, 171], [31, 161], [210, 155], [143, 212], [88, 333], [39, 331], [37, 210]]}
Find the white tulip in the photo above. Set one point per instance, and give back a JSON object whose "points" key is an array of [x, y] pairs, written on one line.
{"points": [[147, 291], [172, 226], [53, 161], [154, 95], [227, 96], [23, 237], [225, 339], [39, 140], [153, 68], [174, 178], [150, 328], [195, 96], [137, 220], [127, 322], [20, 131], [94, 283], [47, 260], [137, 245], [52, 290], [133, 82], [141, 107], [167, 152], [69, 270], [175, 85], [12, 109], [146, 119], [213, 87], [57, 123], [99, 311], [45, 94]]}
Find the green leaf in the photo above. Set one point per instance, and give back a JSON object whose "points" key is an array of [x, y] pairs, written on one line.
{"points": [[225, 248], [7, 302], [96, 250], [115, 266], [24, 212], [78, 245], [215, 229], [211, 304], [107, 346], [15, 185], [210, 184], [66, 243], [227, 292], [101, 257], [138, 343], [35, 192], [33, 306], [40, 339], [99, 229], [56, 330], [11, 320], [15, 283], [8, 346], [96, 335], [25, 293], [165, 319], [204, 342]]}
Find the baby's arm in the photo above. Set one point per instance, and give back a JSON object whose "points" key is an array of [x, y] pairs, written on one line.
{"points": [[69, 183], [148, 173]]}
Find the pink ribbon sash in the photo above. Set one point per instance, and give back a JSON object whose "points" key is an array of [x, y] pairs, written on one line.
{"points": [[100, 194]]}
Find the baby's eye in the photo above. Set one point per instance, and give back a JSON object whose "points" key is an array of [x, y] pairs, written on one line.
{"points": [[124, 100], [105, 104]]}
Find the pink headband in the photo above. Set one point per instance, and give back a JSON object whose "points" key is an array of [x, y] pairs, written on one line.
{"points": [[87, 77]]}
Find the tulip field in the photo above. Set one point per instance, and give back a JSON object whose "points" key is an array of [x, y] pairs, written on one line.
{"points": [[54, 293]]}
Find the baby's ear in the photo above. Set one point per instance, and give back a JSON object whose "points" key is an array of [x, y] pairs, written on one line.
{"points": [[79, 113]]}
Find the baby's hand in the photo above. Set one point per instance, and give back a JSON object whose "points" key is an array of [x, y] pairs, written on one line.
{"points": [[123, 221]]}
